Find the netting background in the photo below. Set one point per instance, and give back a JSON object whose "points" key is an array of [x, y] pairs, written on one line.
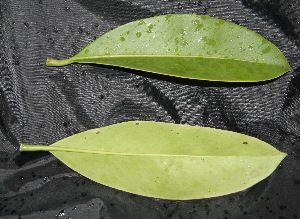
{"points": [[39, 104]]}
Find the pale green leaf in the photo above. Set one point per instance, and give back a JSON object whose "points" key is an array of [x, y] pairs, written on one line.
{"points": [[165, 160]]}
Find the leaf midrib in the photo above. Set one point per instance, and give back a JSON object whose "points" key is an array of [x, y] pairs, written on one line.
{"points": [[75, 59], [76, 150]]}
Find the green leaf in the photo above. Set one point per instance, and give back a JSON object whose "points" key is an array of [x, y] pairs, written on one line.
{"points": [[186, 46], [165, 160]]}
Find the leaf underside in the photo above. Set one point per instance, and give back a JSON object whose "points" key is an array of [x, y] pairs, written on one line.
{"points": [[187, 46], [165, 160]]}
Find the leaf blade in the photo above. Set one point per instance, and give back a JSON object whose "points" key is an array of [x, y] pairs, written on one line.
{"points": [[166, 185], [173, 171], [185, 37]]}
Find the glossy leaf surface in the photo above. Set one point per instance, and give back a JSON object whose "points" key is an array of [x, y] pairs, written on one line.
{"points": [[165, 160], [187, 46]]}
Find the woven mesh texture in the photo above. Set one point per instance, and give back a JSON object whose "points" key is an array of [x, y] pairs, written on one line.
{"points": [[42, 105]]}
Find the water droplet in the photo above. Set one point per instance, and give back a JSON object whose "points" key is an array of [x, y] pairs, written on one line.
{"points": [[264, 41], [122, 38], [67, 8], [138, 34], [198, 24], [220, 22], [86, 51], [150, 27], [26, 24], [62, 213], [209, 41], [45, 179], [168, 17], [182, 32], [141, 22], [266, 50], [117, 47]]}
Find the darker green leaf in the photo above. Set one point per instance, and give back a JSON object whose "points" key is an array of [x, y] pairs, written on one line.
{"points": [[187, 46]]}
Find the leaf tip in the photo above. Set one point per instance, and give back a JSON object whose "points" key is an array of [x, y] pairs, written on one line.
{"points": [[283, 155]]}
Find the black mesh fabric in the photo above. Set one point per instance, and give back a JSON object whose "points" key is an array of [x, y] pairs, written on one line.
{"points": [[39, 104]]}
